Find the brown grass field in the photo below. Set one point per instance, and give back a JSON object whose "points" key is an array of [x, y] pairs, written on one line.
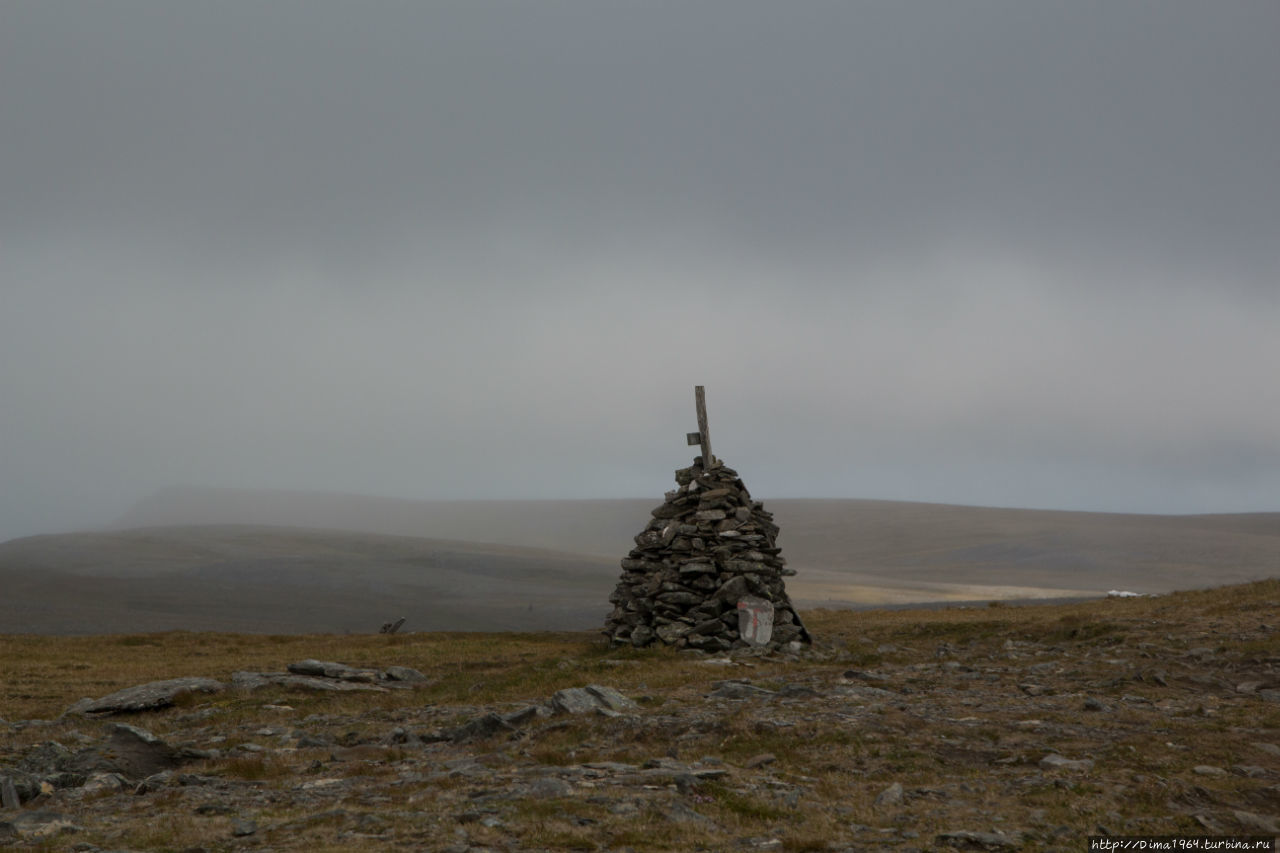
{"points": [[976, 696]]}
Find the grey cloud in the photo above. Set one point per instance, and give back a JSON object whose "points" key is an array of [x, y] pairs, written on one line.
{"points": [[1144, 127], [979, 252]]}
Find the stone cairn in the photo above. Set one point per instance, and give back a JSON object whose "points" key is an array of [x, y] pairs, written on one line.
{"points": [[707, 555]]}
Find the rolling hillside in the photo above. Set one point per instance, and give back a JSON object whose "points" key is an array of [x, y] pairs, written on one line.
{"points": [[287, 562], [286, 580]]}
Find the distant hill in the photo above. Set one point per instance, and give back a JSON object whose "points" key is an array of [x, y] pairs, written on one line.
{"points": [[856, 550], [283, 562], [289, 580], [602, 527]]}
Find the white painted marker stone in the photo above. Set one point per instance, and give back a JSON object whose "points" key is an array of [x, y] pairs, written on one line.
{"points": [[755, 620]]}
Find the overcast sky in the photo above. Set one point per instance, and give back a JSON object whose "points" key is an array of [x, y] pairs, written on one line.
{"points": [[1018, 254]]}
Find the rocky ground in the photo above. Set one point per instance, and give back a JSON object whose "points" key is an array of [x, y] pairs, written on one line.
{"points": [[1023, 728]]}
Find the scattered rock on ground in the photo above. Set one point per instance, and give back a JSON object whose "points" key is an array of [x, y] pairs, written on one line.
{"points": [[145, 697], [330, 669], [129, 751], [890, 796], [405, 674], [259, 680], [739, 690], [1054, 761], [964, 839], [578, 700]]}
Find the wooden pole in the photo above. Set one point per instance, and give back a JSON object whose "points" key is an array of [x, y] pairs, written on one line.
{"points": [[700, 401]]}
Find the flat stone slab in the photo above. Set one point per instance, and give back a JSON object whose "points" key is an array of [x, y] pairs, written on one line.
{"points": [[259, 680], [36, 825], [967, 840], [739, 690], [580, 700], [332, 669], [1053, 761], [146, 697], [404, 673]]}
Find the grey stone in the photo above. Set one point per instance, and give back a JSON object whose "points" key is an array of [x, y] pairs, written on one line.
{"points": [[578, 700], [154, 782], [8, 794], [966, 840], [330, 669], [860, 675], [404, 673], [672, 631], [1053, 761], [146, 697], [522, 716], [44, 756], [610, 766], [481, 727], [642, 635], [739, 690], [1261, 824], [573, 700], [890, 796], [708, 626], [549, 787], [100, 783], [732, 589], [259, 680], [39, 825], [678, 812], [858, 691], [128, 750], [1253, 771], [241, 827]]}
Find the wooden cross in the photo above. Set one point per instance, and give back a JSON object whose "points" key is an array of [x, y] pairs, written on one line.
{"points": [[702, 436]]}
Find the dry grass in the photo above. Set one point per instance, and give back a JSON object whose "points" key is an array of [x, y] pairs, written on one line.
{"points": [[41, 676], [829, 768]]}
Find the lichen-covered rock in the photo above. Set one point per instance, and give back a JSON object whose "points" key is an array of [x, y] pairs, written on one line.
{"points": [[129, 751], [406, 674], [146, 697], [259, 680], [330, 669]]}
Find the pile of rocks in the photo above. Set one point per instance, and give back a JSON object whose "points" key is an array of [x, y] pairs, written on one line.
{"points": [[708, 552]]}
